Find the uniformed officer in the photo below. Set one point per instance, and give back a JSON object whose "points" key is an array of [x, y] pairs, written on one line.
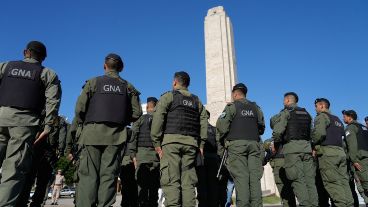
{"points": [[209, 186], [354, 181], [328, 134], [45, 155], [129, 188], [179, 127], [107, 104], [292, 127], [357, 144], [148, 162], [26, 88], [277, 163], [239, 128]]}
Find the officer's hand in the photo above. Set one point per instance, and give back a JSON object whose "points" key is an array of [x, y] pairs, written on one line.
{"points": [[135, 162], [314, 153], [70, 157], [159, 151], [42, 136], [358, 166]]}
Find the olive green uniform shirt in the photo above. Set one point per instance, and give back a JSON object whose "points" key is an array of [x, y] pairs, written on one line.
{"points": [[22, 117], [354, 153], [319, 133], [100, 133], [159, 118], [279, 128]]}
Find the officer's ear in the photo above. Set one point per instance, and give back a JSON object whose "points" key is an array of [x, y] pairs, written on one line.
{"points": [[26, 53], [105, 66]]}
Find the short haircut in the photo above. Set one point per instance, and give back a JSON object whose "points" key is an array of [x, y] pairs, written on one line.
{"points": [[183, 78], [113, 64]]}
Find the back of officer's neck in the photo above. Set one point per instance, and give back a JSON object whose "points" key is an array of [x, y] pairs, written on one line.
{"points": [[180, 87], [111, 72], [31, 60]]}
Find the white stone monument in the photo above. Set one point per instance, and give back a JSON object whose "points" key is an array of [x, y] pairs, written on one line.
{"points": [[221, 73]]}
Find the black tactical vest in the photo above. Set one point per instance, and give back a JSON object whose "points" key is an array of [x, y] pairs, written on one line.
{"points": [[144, 136], [21, 86], [298, 126], [210, 145], [245, 123], [362, 136], [183, 116], [110, 102], [335, 132]]}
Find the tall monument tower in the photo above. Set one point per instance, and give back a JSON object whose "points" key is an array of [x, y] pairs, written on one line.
{"points": [[221, 73]]}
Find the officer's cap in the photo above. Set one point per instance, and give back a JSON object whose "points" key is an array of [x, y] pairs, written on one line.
{"points": [[115, 57], [350, 113], [322, 100], [292, 94], [38, 47], [240, 86], [152, 99], [366, 118]]}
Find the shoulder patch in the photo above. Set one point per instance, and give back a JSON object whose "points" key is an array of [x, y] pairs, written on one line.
{"points": [[222, 115], [347, 133]]}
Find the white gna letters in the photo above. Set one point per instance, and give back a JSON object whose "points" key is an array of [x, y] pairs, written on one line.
{"points": [[21, 73], [247, 113], [111, 88]]}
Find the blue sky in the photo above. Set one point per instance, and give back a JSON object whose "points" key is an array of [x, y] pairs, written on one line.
{"points": [[315, 48]]}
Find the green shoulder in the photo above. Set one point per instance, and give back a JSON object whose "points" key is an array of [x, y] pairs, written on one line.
{"points": [[131, 89]]}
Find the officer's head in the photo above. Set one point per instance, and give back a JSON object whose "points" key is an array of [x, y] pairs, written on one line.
{"points": [[322, 104], [181, 79], [366, 121], [349, 116], [290, 98], [35, 50], [59, 172], [239, 91], [151, 104], [113, 62]]}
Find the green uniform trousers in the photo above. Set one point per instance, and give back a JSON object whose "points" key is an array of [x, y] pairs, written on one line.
{"points": [[282, 183], [245, 167], [335, 179], [363, 175], [98, 170], [178, 175], [16, 153], [301, 171], [323, 196]]}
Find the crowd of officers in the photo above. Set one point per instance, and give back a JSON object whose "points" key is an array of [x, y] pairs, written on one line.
{"points": [[173, 146]]}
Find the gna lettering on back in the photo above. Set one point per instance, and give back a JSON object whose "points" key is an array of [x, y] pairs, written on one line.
{"points": [[112, 88], [248, 113], [21, 73]]}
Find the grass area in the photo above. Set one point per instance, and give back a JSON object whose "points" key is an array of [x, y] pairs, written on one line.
{"points": [[271, 199]]}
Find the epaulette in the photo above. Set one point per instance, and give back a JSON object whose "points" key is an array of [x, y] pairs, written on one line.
{"points": [[166, 93]]}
